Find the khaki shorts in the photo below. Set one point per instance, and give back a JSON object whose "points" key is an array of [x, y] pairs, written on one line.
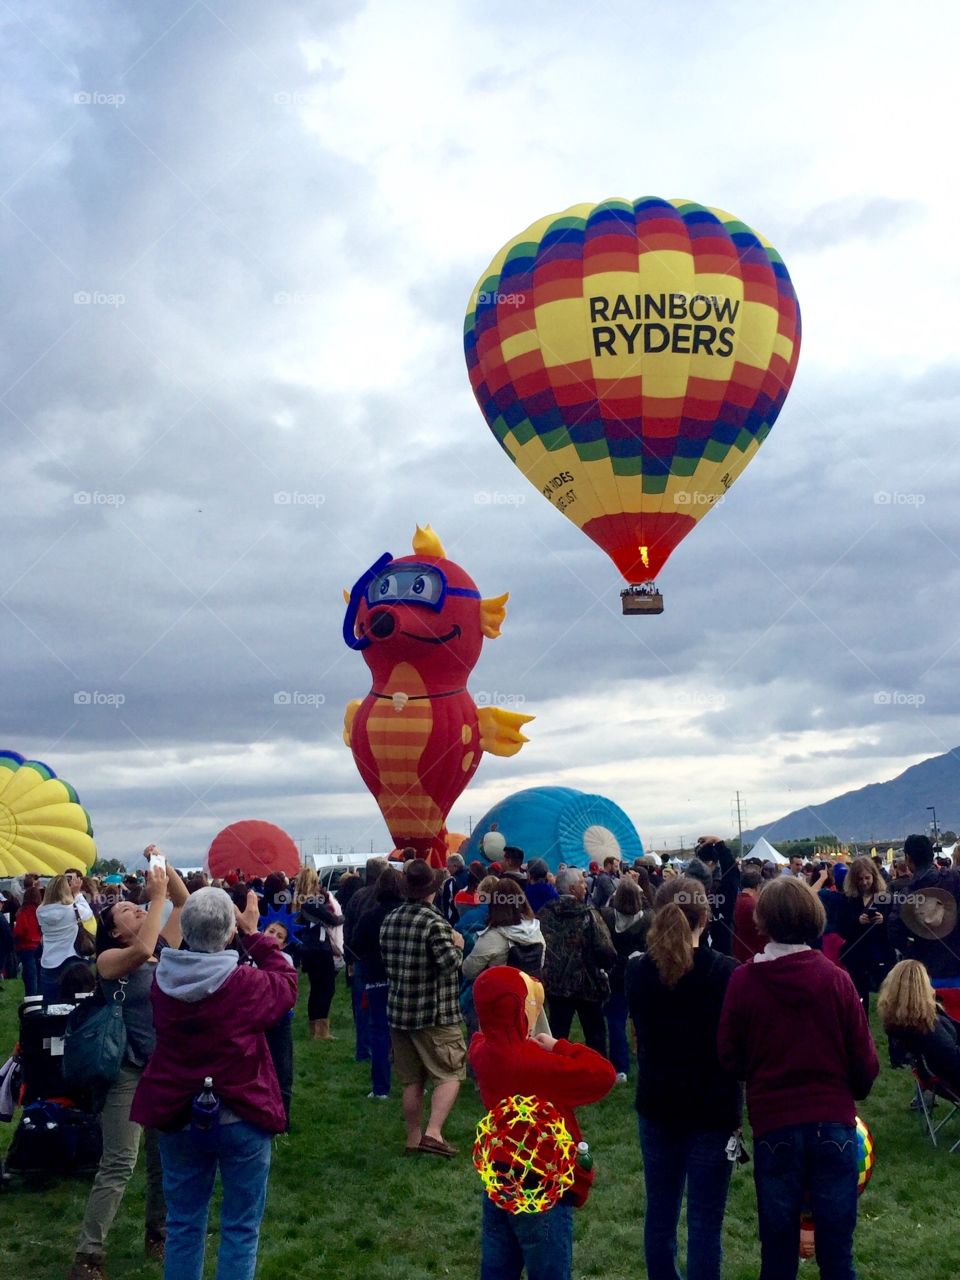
{"points": [[433, 1053]]}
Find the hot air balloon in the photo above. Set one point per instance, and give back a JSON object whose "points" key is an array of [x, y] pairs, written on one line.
{"points": [[417, 737], [43, 826], [557, 824], [631, 357], [253, 848]]}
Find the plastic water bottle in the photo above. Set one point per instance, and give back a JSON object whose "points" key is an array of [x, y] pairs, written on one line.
{"points": [[205, 1117], [584, 1158]]}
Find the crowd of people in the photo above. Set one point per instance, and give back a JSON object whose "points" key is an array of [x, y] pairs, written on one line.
{"points": [[704, 981]]}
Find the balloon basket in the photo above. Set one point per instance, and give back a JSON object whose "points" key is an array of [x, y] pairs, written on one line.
{"points": [[641, 598]]}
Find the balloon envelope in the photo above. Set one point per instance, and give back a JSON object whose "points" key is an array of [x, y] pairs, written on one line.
{"points": [[558, 824], [253, 848], [43, 826], [866, 1155], [630, 357]]}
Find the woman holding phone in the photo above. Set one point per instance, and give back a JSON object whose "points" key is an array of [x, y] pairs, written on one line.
{"points": [[319, 915], [866, 953], [129, 943]]}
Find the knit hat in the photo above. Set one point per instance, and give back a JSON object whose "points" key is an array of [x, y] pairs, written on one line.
{"points": [[419, 880]]}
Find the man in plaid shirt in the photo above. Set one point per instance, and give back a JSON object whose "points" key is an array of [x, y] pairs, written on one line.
{"points": [[422, 956]]}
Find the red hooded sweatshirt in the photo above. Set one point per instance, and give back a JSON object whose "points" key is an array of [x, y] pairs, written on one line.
{"points": [[507, 1061], [794, 1029]]}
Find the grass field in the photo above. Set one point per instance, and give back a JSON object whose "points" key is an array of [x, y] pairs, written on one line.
{"points": [[344, 1203]]}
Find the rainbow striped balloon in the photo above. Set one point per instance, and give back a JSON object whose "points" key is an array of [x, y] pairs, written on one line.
{"points": [[631, 357]]}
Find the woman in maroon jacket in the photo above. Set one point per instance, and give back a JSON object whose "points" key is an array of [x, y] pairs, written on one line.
{"points": [[210, 1013], [793, 1027]]}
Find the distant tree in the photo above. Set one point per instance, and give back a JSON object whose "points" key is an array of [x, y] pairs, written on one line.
{"points": [[948, 837]]}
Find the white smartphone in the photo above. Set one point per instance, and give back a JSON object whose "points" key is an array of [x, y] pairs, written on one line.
{"points": [[157, 860]]}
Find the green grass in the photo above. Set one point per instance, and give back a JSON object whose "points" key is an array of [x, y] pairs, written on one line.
{"points": [[344, 1203]]}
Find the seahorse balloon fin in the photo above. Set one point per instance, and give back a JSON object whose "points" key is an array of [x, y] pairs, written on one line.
{"points": [[426, 543], [492, 613], [349, 713], [500, 730]]}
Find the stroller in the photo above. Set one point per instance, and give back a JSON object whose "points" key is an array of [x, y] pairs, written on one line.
{"points": [[59, 1130]]}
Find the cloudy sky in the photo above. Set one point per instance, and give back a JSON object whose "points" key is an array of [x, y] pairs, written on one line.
{"points": [[238, 243]]}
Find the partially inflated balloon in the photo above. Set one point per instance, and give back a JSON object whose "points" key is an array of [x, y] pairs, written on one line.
{"points": [[631, 358], [43, 826], [253, 848]]}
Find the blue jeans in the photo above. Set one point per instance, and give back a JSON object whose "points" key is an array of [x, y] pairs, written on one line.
{"points": [[242, 1153], [615, 1011], [30, 965], [378, 1030], [50, 979], [541, 1242], [673, 1158], [816, 1165], [361, 1018]]}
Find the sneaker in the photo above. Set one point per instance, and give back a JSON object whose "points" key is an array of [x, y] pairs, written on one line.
{"points": [[379, 1097], [621, 1077]]}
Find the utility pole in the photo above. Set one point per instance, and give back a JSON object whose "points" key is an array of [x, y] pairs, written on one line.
{"points": [[739, 825], [936, 834]]}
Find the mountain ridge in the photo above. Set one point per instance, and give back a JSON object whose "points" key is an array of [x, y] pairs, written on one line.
{"points": [[880, 810]]}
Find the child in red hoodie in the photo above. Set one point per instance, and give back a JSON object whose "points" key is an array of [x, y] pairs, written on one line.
{"points": [[507, 1061]]}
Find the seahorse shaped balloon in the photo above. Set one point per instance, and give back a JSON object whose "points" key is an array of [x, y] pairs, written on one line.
{"points": [[417, 737]]}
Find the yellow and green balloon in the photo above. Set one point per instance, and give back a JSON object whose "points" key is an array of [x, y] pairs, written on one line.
{"points": [[43, 826]]}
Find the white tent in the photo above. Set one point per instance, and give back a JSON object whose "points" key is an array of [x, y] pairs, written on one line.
{"points": [[765, 851]]}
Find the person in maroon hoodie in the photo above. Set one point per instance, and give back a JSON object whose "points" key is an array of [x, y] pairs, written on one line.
{"points": [[210, 1013], [507, 1061], [793, 1027], [746, 936]]}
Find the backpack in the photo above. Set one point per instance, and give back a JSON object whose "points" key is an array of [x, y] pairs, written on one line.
{"points": [[527, 957]]}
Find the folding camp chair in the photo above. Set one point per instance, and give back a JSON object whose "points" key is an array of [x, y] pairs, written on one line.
{"points": [[929, 1086]]}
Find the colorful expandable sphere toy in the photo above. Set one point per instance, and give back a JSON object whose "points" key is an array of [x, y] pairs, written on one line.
{"points": [[866, 1155]]}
